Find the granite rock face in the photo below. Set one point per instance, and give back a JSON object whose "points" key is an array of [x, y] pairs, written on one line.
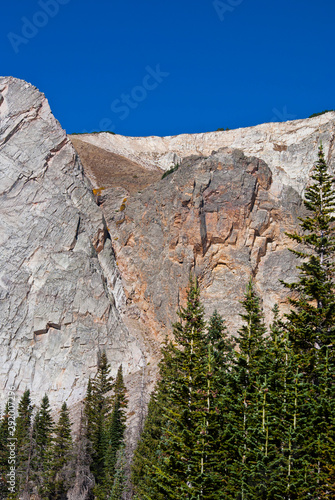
{"points": [[61, 296], [217, 217]]}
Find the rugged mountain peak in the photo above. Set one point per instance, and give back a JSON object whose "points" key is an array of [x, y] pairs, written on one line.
{"points": [[60, 292], [223, 213]]}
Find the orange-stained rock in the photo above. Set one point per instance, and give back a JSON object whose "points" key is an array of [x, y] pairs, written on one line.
{"points": [[214, 216]]}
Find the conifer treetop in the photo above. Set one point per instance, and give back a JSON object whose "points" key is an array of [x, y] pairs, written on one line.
{"points": [[311, 321]]}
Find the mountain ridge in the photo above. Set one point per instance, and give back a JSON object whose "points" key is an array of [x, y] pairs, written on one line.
{"points": [[86, 267]]}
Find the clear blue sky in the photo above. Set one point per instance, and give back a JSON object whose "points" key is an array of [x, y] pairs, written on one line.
{"points": [[148, 67]]}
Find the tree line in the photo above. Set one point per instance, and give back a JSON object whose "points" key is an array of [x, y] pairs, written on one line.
{"points": [[251, 417], [49, 463]]}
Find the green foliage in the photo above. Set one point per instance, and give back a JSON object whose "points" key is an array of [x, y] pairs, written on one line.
{"points": [[120, 476], [42, 438], [98, 405], [246, 401], [147, 452], [310, 325], [312, 319], [248, 423], [58, 475], [170, 171], [105, 426], [115, 428], [4, 452], [43, 427], [23, 441], [321, 113]]}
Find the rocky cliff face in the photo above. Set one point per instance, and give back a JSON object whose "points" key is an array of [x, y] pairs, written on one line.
{"points": [[217, 217], [61, 296], [223, 213], [97, 257]]}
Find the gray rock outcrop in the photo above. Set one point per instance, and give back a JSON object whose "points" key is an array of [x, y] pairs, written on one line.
{"points": [[61, 296]]}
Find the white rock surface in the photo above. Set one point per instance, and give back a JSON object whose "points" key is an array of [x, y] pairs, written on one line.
{"points": [[289, 148], [60, 290]]}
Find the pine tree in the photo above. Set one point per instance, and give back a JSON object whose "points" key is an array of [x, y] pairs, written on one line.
{"points": [[277, 419], [115, 429], [220, 359], [89, 414], [311, 326], [147, 450], [312, 319], [285, 417], [248, 440], [84, 480], [221, 346], [4, 452], [97, 407], [59, 456], [320, 432], [119, 476], [23, 434], [42, 434]]}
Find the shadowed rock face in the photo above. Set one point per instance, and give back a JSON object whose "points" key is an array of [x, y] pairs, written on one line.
{"points": [[60, 292], [216, 216]]}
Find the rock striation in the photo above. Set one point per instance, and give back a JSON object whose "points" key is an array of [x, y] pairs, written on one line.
{"points": [[61, 296]]}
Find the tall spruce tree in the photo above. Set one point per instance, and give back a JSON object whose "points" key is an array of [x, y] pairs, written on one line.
{"points": [[23, 434], [311, 326], [58, 475], [115, 429], [83, 481], [148, 451], [42, 435], [98, 405], [119, 482], [311, 322], [249, 386], [285, 417]]}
